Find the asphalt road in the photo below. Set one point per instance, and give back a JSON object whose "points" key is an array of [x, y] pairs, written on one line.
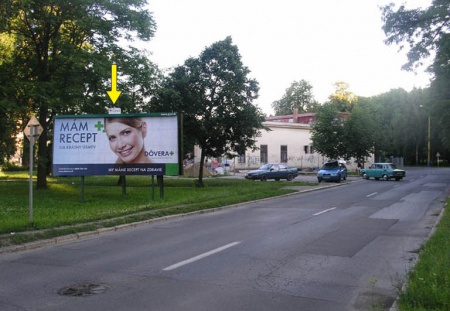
{"points": [[341, 248]]}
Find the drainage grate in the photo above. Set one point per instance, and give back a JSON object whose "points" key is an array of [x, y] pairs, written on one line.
{"points": [[81, 290]]}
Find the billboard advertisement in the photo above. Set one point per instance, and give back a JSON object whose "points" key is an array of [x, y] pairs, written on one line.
{"points": [[116, 144]]}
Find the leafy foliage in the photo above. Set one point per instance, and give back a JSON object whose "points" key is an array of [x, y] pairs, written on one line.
{"points": [[419, 29], [359, 132], [342, 97], [215, 95], [298, 95], [425, 31], [327, 133], [63, 51]]}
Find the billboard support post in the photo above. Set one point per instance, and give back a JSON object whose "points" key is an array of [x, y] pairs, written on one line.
{"points": [[124, 185], [82, 190], [161, 186], [153, 187]]}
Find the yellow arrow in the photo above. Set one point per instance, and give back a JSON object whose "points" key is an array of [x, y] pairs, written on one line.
{"points": [[114, 94]]}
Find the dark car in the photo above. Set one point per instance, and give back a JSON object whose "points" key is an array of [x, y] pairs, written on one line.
{"points": [[275, 171], [332, 171], [384, 171]]}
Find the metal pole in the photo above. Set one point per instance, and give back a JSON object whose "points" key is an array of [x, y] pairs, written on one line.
{"points": [[124, 185], [82, 190], [153, 187], [32, 140]]}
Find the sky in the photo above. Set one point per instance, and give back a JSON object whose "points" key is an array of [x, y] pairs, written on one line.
{"points": [[282, 41]]}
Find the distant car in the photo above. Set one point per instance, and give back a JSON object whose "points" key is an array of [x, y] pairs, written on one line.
{"points": [[384, 171], [275, 171], [332, 171]]}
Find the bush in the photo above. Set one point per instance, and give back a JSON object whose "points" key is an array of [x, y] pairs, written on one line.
{"points": [[11, 167]]}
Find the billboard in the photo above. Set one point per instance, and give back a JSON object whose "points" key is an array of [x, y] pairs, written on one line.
{"points": [[116, 144]]}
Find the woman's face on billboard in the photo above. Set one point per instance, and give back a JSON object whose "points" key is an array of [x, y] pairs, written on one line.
{"points": [[126, 141]]}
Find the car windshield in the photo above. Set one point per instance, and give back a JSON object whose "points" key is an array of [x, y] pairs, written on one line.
{"points": [[330, 166], [392, 166], [265, 167]]}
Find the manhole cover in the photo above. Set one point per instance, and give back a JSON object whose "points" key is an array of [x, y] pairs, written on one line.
{"points": [[87, 289]]}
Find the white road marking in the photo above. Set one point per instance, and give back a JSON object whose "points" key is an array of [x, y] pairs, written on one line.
{"points": [[325, 211], [369, 195], [188, 261]]}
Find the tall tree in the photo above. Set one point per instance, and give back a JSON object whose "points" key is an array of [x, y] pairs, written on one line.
{"points": [[343, 98], [63, 54], [9, 114], [215, 95], [418, 29], [425, 32], [327, 133], [298, 95], [440, 88], [359, 131]]}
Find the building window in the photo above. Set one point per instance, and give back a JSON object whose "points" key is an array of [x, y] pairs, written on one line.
{"points": [[283, 154], [311, 149], [263, 153], [305, 148], [241, 158]]}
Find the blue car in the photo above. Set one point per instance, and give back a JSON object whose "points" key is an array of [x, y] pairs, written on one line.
{"points": [[332, 171], [275, 171]]}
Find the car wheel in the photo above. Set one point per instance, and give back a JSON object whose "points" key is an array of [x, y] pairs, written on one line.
{"points": [[397, 178], [385, 177], [339, 179], [345, 177], [264, 178], [365, 176], [277, 179], [290, 177], [319, 180]]}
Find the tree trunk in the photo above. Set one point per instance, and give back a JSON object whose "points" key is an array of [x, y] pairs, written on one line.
{"points": [[200, 170], [42, 150]]}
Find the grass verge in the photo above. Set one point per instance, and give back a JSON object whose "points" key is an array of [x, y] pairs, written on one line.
{"points": [[59, 210], [428, 286]]}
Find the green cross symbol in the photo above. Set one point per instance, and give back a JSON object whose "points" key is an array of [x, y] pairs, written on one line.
{"points": [[171, 153], [99, 126]]}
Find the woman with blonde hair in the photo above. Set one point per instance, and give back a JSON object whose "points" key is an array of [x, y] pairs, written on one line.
{"points": [[126, 139]]}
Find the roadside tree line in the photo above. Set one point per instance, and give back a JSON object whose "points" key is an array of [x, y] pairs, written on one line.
{"points": [[55, 58]]}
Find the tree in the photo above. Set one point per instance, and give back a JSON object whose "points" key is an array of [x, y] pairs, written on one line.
{"points": [[10, 116], [63, 55], [327, 133], [298, 95], [440, 88], [421, 30], [342, 97], [359, 131], [215, 95], [425, 32]]}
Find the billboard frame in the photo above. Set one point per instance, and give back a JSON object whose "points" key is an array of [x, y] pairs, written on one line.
{"points": [[121, 169]]}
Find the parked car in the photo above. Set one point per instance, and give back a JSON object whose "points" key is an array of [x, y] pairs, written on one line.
{"points": [[384, 171], [332, 171], [275, 171]]}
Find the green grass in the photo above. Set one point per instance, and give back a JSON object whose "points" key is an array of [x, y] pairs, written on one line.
{"points": [[58, 210], [428, 286]]}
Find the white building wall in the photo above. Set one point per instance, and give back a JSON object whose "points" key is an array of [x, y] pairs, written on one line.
{"points": [[293, 135]]}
